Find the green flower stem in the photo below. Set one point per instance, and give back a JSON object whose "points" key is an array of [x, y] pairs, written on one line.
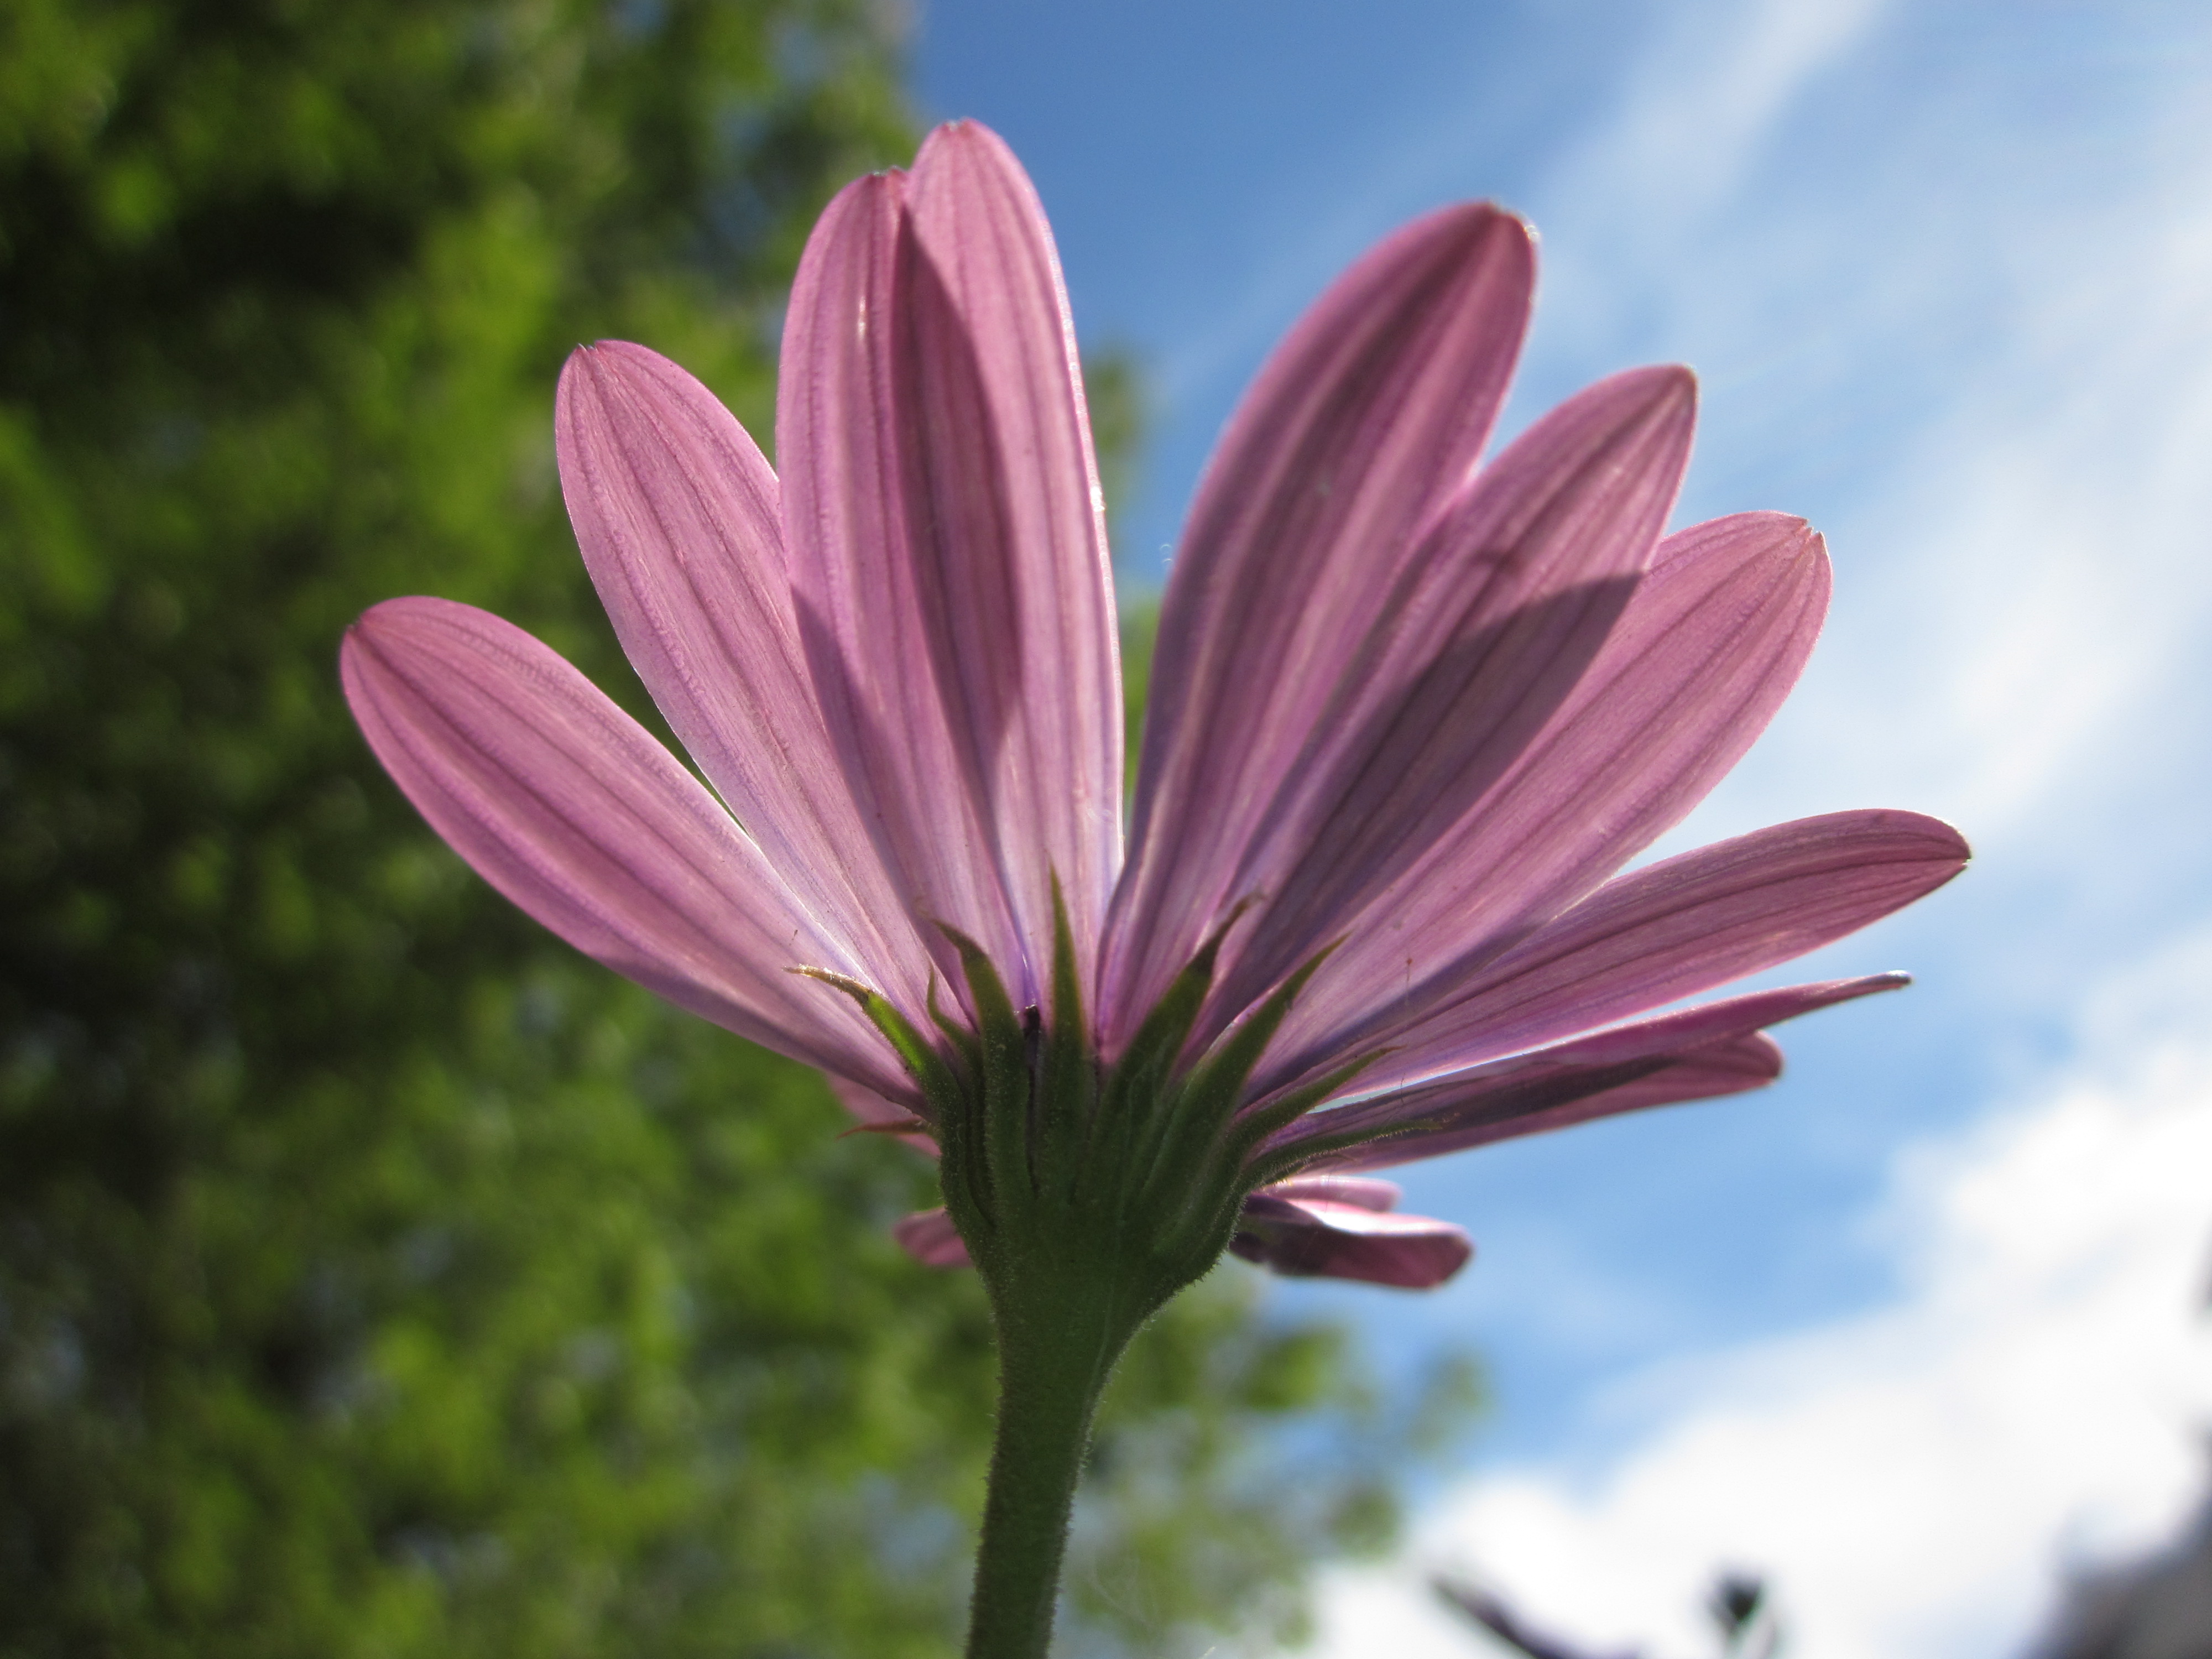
{"points": [[1087, 1196], [1055, 1353]]}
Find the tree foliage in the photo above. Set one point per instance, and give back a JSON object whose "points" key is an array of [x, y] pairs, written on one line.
{"points": [[378, 1277]]}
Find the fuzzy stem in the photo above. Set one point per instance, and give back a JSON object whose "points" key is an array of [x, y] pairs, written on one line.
{"points": [[1054, 1356]]}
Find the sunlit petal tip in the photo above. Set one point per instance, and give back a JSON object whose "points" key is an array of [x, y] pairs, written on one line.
{"points": [[1319, 1238], [570, 808], [1362, 1192]]}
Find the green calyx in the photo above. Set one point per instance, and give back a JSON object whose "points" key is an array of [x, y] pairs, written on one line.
{"points": [[1122, 1183], [1087, 1195], [1119, 1184]]}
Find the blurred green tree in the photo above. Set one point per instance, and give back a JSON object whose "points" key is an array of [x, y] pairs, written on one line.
{"points": [[377, 1277]]}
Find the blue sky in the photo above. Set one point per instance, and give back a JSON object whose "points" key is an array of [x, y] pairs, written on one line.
{"points": [[1945, 270]]}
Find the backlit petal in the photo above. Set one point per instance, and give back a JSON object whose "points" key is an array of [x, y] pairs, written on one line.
{"points": [[997, 398], [948, 552], [569, 808], [1710, 643], [1359, 1191], [1693, 1054], [1363, 426], [1683, 925], [1486, 634], [880, 1113], [1315, 1238], [679, 519]]}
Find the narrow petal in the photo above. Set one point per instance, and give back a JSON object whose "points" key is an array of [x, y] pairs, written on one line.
{"points": [[677, 515], [948, 549], [870, 596], [930, 1237], [1735, 1066], [1683, 925], [1366, 420], [998, 395], [883, 1115], [1316, 1238], [1710, 644], [1357, 1191], [569, 808], [1489, 629], [1694, 1054]]}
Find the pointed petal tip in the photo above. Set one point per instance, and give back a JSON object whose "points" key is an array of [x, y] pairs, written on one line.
{"points": [[968, 141], [594, 363], [406, 615], [1483, 222], [1671, 389], [960, 130], [1931, 839], [601, 382]]}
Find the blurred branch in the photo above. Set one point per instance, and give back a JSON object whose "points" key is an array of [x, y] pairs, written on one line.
{"points": [[1738, 1602], [1492, 1613]]}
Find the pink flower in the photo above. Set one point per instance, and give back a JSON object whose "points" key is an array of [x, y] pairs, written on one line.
{"points": [[1409, 719]]}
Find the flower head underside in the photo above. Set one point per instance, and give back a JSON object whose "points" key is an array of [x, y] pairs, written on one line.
{"points": [[1412, 712]]}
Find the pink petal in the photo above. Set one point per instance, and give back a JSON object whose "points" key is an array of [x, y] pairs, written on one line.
{"points": [[1315, 1238], [948, 547], [1357, 1191], [678, 516], [1515, 590], [1678, 927], [871, 1110], [570, 809], [1335, 1227], [1694, 1054], [866, 594], [1365, 421], [930, 1237], [1710, 645]]}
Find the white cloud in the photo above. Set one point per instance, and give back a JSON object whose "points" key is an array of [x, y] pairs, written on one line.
{"points": [[2039, 587], [1913, 1480], [1979, 349]]}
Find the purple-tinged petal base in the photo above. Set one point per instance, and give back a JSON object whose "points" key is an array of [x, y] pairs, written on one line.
{"points": [[1698, 1054], [1320, 1238]]}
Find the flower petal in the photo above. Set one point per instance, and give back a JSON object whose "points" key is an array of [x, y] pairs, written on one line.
{"points": [[1335, 1227], [1316, 1238], [1693, 1054], [869, 600], [1678, 927], [949, 551], [678, 516], [570, 809], [1489, 629], [1356, 1190], [883, 1115], [1364, 422], [1001, 353], [1709, 646], [930, 1237]]}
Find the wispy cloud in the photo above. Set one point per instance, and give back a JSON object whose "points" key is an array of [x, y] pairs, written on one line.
{"points": [[1975, 343], [1914, 1479]]}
